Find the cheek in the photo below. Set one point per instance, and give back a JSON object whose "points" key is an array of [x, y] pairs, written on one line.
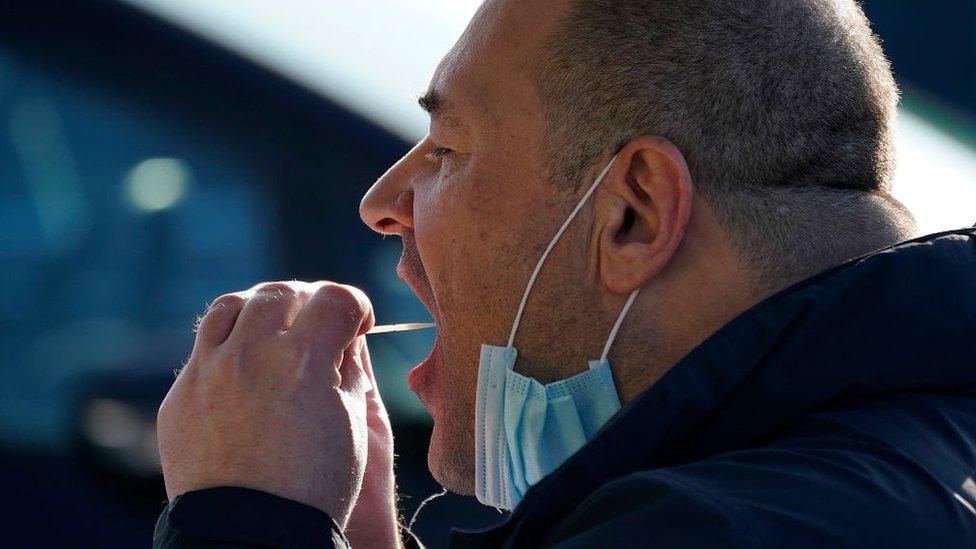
{"points": [[474, 234], [454, 223], [459, 203]]}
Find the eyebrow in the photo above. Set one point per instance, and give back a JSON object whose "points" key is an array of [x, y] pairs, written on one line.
{"points": [[431, 102], [434, 104]]}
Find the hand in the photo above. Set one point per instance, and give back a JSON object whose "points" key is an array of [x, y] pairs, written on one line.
{"points": [[274, 397], [374, 519]]}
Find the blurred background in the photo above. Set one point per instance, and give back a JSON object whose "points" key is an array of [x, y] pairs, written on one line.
{"points": [[157, 153]]}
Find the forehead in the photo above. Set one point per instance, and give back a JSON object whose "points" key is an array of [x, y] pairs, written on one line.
{"points": [[491, 68]]}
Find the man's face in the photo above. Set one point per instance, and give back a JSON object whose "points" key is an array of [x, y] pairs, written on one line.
{"points": [[475, 206]]}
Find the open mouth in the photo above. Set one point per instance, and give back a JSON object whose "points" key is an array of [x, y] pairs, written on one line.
{"points": [[411, 270]]}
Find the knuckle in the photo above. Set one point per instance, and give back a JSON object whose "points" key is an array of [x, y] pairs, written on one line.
{"points": [[226, 301], [218, 310], [269, 298], [343, 300], [343, 295], [278, 289]]}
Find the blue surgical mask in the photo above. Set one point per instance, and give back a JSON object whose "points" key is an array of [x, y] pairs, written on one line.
{"points": [[523, 429]]}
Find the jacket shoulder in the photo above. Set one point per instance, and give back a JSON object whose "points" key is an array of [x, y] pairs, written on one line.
{"points": [[654, 509], [825, 484]]}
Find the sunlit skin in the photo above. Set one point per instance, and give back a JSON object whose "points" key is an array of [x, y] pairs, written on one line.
{"points": [[278, 393], [476, 205]]}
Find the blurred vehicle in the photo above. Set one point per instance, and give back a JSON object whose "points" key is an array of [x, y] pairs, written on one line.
{"points": [[146, 172], [152, 160]]}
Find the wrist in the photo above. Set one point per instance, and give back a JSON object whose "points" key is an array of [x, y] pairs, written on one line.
{"points": [[374, 524]]}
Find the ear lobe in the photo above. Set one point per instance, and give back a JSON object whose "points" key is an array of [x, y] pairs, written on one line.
{"points": [[646, 215]]}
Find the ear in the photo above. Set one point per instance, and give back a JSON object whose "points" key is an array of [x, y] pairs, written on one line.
{"points": [[644, 211]]}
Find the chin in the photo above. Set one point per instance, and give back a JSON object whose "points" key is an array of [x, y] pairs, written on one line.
{"points": [[450, 459]]}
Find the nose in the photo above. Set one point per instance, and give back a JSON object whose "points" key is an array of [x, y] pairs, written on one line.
{"points": [[387, 207]]}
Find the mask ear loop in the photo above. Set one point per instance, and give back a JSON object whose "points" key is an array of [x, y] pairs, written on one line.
{"points": [[618, 323], [552, 244]]}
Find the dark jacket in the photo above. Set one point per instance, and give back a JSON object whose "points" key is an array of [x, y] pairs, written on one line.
{"points": [[838, 413]]}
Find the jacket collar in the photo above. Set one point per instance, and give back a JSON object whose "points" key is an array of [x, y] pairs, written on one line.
{"points": [[899, 320]]}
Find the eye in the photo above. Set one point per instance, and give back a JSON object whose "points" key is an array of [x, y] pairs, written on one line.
{"points": [[438, 153]]}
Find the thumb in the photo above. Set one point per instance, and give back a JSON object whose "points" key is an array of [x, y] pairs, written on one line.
{"points": [[367, 363], [354, 377], [375, 409]]}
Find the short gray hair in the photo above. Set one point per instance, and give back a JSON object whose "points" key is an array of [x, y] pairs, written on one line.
{"points": [[783, 110]]}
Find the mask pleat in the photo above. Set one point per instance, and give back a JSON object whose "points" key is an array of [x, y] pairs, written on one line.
{"points": [[521, 414]]}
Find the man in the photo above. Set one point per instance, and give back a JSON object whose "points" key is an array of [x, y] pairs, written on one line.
{"points": [[716, 175]]}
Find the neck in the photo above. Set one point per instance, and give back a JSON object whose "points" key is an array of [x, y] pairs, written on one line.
{"points": [[677, 312], [711, 281]]}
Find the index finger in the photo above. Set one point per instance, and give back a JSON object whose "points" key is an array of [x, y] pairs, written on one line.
{"points": [[333, 317]]}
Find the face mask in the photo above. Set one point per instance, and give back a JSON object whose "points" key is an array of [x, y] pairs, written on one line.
{"points": [[523, 429]]}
